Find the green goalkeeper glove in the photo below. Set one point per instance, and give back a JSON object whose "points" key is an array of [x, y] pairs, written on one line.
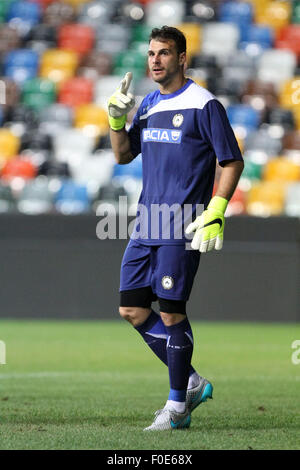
{"points": [[209, 226], [120, 103]]}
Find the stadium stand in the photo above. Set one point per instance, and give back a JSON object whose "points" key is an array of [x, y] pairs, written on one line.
{"points": [[61, 60]]}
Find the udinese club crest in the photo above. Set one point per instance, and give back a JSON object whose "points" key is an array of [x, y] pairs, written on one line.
{"points": [[167, 282], [177, 120]]}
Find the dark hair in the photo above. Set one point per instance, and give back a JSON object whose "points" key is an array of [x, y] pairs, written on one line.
{"points": [[168, 32]]}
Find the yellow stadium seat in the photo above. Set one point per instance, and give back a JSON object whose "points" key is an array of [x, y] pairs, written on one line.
{"points": [[76, 3], [281, 169], [275, 14], [193, 34], [289, 94], [92, 119], [258, 5], [266, 198], [9, 145], [296, 112], [58, 64]]}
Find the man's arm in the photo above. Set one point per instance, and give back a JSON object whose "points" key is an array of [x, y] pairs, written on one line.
{"points": [[229, 179], [120, 144], [119, 104]]}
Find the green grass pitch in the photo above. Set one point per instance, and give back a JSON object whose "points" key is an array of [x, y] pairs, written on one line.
{"points": [[95, 385]]}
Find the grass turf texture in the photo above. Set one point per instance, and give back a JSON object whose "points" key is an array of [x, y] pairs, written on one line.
{"points": [[95, 385]]}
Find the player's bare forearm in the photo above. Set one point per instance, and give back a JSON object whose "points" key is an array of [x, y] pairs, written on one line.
{"points": [[121, 146], [229, 179]]}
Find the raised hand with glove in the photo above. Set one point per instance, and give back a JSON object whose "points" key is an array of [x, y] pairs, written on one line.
{"points": [[120, 103], [209, 226]]}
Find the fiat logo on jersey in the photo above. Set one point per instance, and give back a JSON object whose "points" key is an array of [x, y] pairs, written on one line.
{"points": [[177, 120], [167, 282]]}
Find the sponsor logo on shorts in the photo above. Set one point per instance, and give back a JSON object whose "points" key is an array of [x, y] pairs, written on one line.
{"points": [[168, 136], [167, 282]]}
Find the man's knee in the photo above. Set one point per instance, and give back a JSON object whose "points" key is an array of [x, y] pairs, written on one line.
{"points": [[134, 315]]}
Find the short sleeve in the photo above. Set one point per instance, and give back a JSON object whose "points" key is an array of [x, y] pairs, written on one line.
{"points": [[134, 134], [217, 131]]}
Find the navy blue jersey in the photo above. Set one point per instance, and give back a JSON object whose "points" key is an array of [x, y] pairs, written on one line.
{"points": [[180, 136]]}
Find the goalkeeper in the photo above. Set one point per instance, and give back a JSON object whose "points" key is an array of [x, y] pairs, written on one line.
{"points": [[181, 129]]}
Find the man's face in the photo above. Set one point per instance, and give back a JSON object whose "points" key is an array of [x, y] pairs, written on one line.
{"points": [[163, 60]]}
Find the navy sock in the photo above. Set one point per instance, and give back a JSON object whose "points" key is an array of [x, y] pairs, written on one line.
{"points": [[155, 335], [179, 353]]}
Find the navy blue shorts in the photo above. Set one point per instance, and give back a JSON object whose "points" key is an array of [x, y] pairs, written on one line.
{"points": [[168, 269]]}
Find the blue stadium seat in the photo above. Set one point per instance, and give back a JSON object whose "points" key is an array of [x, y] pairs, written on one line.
{"points": [[133, 169], [72, 198], [23, 15], [21, 65], [239, 13], [242, 115]]}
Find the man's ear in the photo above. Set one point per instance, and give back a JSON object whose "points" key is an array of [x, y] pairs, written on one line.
{"points": [[182, 58]]}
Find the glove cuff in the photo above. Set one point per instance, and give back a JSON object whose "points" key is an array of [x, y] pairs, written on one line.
{"points": [[117, 124], [218, 203]]}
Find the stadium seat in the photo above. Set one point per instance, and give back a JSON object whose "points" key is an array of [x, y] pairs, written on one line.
{"points": [[55, 117], [254, 162], [296, 12], [18, 168], [76, 37], [243, 118], [292, 201], [264, 141], [193, 34], [281, 117], [276, 66], [53, 169], [91, 119], [133, 169], [275, 14], [239, 68], [23, 15], [72, 145], [76, 91], [43, 3], [260, 95], [7, 201], [266, 198], [9, 39], [96, 170], [161, 12], [130, 12], [289, 93], [113, 38], [58, 64], [201, 11], [21, 65], [4, 5], [41, 37], [291, 140], [94, 65], [96, 14], [72, 198], [108, 198], [22, 116], [9, 145], [35, 140], [256, 39], [38, 93], [281, 169], [220, 40], [105, 87], [238, 13], [77, 4], [289, 38], [59, 13], [10, 91], [126, 60], [35, 197]]}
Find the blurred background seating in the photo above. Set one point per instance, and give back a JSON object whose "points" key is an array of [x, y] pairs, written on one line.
{"points": [[61, 60]]}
